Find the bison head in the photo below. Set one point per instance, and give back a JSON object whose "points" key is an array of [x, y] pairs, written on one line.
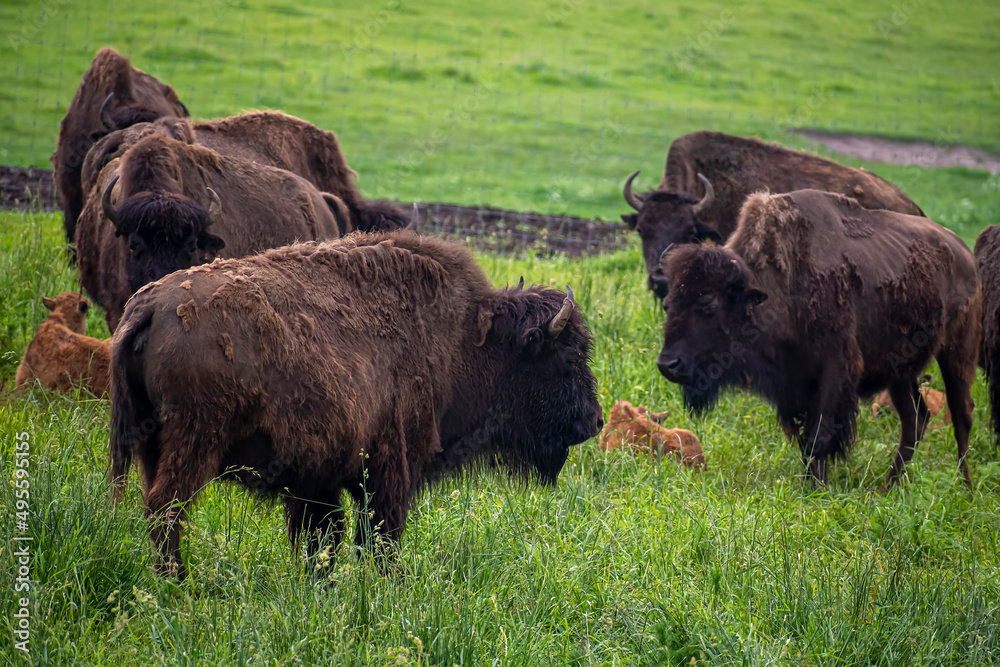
{"points": [[165, 232], [69, 309], [710, 326], [549, 398], [665, 218]]}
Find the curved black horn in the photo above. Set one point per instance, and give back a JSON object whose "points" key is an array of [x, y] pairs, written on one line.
{"points": [[109, 125], [561, 319], [107, 206], [630, 198], [709, 197], [520, 284], [214, 208]]}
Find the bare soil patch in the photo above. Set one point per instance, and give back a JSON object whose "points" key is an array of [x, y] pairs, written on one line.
{"points": [[921, 153], [483, 227]]}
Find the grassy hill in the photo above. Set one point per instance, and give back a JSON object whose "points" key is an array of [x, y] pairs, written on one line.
{"points": [[628, 561]]}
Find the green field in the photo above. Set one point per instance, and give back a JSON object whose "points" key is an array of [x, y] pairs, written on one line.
{"points": [[628, 561]]}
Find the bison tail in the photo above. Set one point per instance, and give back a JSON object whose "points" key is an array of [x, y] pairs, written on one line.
{"points": [[134, 421]]}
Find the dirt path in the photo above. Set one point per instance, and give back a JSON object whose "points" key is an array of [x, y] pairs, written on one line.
{"points": [[924, 154]]}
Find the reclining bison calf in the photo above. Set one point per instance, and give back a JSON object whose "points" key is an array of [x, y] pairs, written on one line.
{"points": [[815, 301], [709, 175], [166, 205], [373, 364], [112, 95]]}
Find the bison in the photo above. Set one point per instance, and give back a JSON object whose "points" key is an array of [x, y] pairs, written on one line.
{"points": [[166, 205], [59, 356], [815, 301], [269, 138], [710, 174], [112, 95], [372, 364], [987, 253]]}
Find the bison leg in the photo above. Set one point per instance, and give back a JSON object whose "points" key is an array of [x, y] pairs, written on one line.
{"points": [[318, 520], [381, 521], [958, 373], [913, 415], [184, 468], [829, 426]]}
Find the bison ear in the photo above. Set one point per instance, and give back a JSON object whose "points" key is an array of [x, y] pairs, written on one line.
{"points": [[630, 219], [210, 243], [49, 303], [755, 297], [703, 233]]}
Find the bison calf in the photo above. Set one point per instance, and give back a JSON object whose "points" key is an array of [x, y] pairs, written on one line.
{"points": [[636, 429], [815, 301], [374, 365], [59, 356]]}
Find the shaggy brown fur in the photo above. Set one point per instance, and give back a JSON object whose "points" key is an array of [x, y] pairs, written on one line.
{"points": [[637, 429], [270, 138], [988, 261], [811, 314], [137, 97], [373, 364], [161, 203], [736, 167], [59, 356]]}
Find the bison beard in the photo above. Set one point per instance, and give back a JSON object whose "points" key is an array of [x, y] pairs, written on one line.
{"points": [[372, 365]]}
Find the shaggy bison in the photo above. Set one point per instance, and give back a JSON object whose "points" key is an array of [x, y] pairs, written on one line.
{"points": [[709, 175], [166, 205], [988, 260], [269, 138], [815, 301], [373, 364], [112, 95]]}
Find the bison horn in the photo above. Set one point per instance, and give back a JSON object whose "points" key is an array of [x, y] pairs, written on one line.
{"points": [[664, 253], [109, 125], [561, 319], [631, 199], [414, 218], [520, 284], [109, 208], [214, 208], [709, 197]]}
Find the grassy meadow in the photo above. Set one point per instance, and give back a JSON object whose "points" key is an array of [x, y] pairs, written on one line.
{"points": [[628, 561]]}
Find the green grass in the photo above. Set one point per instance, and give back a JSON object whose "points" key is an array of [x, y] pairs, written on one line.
{"points": [[526, 105], [628, 561]]}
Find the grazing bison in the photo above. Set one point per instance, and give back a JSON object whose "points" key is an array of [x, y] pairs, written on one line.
{"points": [[166, 205], [709, 175], [373, 364], [270, 138], [988, 261], [59, 356], [112, 95], [815, 301]]}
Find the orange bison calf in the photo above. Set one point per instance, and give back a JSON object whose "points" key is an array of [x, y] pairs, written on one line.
{"points": [[60, 357], [636, 428]]}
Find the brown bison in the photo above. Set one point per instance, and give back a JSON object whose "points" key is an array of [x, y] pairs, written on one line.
{"points": [[59, 356], [815, 301], [710, 174], [988, 260], [373, 364], [166, 205], [112, 95], [270, 138]]}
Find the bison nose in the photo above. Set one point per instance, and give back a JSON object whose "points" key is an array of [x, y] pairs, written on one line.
{"points": [[658, 283], [670, 368]]}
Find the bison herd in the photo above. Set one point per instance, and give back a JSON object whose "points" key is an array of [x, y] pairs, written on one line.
{"points": [[273, 327]]}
